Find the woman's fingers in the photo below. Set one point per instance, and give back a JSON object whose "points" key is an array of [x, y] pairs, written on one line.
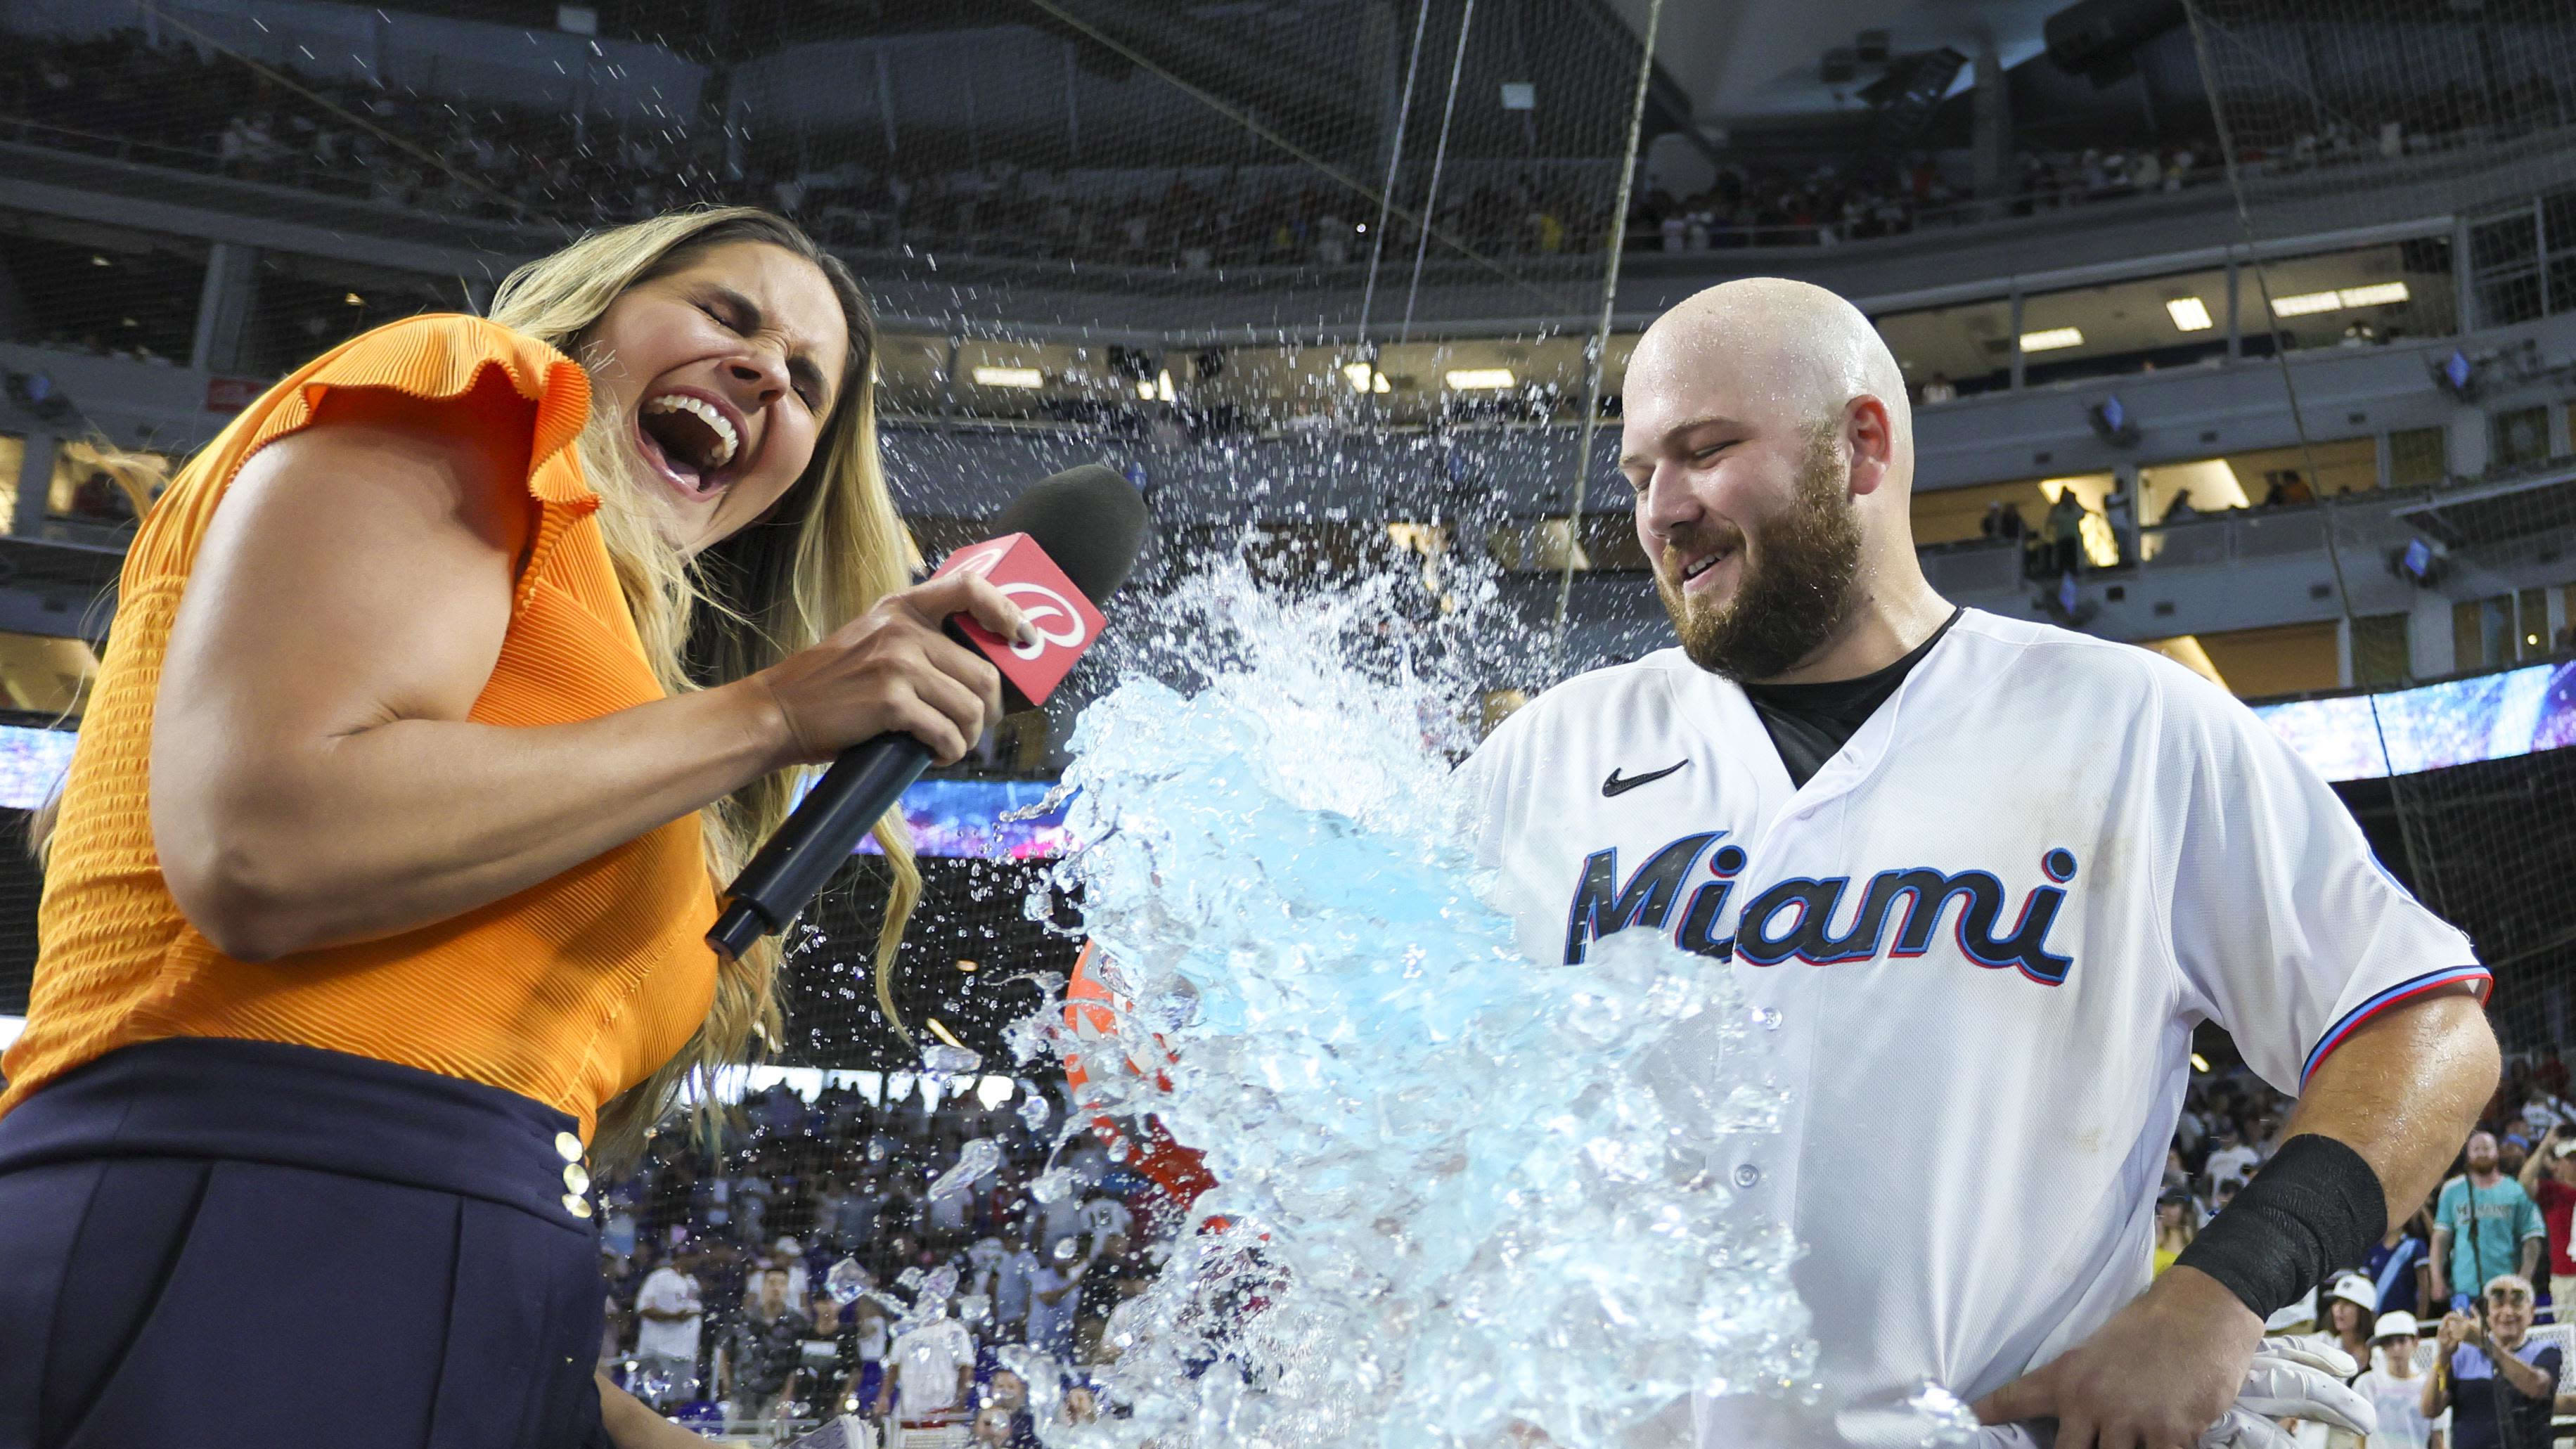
{"points": [[974, 596], [910, 714], [967, 711]]}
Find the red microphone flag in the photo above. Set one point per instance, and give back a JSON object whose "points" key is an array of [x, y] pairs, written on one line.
{"points": [[1065, 621]]}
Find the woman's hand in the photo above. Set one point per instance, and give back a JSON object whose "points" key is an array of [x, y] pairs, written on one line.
{"points": [[893, 669]]}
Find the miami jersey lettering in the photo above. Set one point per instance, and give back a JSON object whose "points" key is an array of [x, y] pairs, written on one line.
{"points": [[1984, 931], [1912, 899]]}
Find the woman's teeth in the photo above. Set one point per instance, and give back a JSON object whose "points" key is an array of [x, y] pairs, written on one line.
{"points": [[726, 441]]}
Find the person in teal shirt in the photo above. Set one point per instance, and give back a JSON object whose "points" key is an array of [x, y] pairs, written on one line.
{"points": [[2509, 1232]]}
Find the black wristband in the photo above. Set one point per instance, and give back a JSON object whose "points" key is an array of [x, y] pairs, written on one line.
{"points": [[2314, 1208]]}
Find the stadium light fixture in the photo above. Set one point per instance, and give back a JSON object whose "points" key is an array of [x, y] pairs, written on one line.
{"points": [[2189, 314], [1145, 391], [1163, 385], [1364, 378], [2051, 339], [2377, 294], [2304, 304], [1471, 379], [1009, 377]]}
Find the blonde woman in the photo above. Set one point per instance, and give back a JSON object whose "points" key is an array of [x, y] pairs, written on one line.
{"points": [[444, 686]]}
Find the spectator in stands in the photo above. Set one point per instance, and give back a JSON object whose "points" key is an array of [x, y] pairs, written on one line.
{"points": [[928, 1371], [2176, 1226], [1053, 1300], [1081, 1404], [1940, 389], [1012, 1279], [670, 1310], [2231, 1160], [2066, 532], [2395, 1388], [2351, 1311], [2472, 1353], [2400, 1267], [2180, 510], [827, 1362], [1008, 1394], [2484, 1226], [2549, 1175], [992, 1428], [2119, 510], [756, 1360]]}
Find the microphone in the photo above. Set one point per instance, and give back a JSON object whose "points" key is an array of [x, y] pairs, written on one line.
{"points": [[1065, 543]]}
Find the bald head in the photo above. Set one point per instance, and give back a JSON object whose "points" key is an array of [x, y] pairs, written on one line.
{"points": [[1766, 435], [1788, 348]]}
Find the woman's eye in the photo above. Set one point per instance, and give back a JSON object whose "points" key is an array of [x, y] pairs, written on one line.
{"points": [[717, 317]]}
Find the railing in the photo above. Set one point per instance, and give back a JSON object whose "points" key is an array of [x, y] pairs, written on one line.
{"points": [[2361, 524]]}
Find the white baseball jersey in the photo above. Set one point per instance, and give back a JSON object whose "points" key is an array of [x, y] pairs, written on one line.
{"points": [[1987, 926]]}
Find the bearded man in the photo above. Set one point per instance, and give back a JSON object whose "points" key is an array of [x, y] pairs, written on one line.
{"points": [[1982, 877]]}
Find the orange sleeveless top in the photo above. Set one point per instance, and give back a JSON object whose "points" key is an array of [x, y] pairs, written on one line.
{"points": [[568, 992]]}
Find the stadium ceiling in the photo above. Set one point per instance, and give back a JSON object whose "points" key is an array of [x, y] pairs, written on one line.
{"points": [[1764, 58]]}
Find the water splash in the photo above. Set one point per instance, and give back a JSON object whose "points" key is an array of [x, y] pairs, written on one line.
{"points": [[1463, 1196], [975, 1161]]}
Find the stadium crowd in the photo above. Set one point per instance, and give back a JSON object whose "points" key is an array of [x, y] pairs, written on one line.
{"points": [[834, 1258], [176, 105], [2480, 1273]]}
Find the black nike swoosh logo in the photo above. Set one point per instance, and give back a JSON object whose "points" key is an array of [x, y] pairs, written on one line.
{"points": [[1616, 786]]}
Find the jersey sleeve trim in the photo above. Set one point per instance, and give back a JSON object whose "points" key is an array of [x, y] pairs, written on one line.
{"points": [[2402, 992]]}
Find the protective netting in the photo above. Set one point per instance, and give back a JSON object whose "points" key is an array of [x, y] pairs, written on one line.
{"points": [[2355, 114]]}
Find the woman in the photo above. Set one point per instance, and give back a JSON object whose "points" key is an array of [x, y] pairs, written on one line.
{"points": [[2175, 1228], [444, 686]]}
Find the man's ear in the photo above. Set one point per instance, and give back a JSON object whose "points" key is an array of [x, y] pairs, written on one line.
{"points": [[1871, 435]]}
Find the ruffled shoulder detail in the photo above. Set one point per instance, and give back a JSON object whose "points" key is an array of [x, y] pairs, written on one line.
{"points": [[435, 357], [443, 355]]}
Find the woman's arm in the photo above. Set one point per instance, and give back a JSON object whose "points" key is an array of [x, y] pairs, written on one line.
{"points": [[315, 779]]}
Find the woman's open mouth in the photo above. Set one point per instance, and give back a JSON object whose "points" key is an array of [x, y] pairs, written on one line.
{"points": [[692, 439]]}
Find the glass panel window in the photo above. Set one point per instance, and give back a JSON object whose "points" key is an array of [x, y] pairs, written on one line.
{"points": [[43, 674], [104, 485], [303, 306], [13, 466], [2361, 298], [106, 292], [2125, 327], [2417, 458], [2279, 659], [2482, 633], [2379, 650], [2517, 437], [2504, 266], [1949, 351], [2531, 624]]}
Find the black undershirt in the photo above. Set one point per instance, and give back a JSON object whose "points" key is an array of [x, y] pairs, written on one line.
{"points": [[1810, 722]]}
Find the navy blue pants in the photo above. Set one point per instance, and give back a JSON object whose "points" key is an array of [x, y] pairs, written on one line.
{"points": [[212, 1244]]}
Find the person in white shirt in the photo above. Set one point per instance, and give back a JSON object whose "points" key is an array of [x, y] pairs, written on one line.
{"points": [[2231, 1159], [1054, 1293], [928, 1371], [1857, 794], [668, 1314], [2395, 1386], [1011, 1279]]}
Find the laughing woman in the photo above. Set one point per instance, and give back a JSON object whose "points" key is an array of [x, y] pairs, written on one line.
{"points": [[443, 686]]}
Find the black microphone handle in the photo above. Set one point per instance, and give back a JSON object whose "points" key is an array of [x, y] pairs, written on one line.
{"points": [[863, 783]]}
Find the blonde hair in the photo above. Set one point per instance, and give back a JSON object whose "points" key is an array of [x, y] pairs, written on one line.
{"points": [[829, 549], [827, 552]]}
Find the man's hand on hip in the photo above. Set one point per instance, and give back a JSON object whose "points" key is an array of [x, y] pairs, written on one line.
{"points": [[2161, 1371]]}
